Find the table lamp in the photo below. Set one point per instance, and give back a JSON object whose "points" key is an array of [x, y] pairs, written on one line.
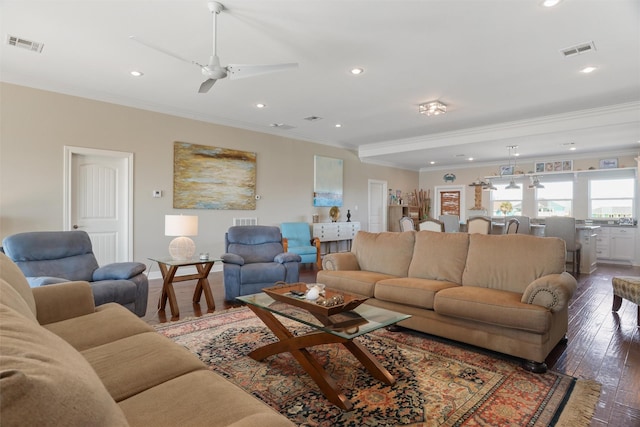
{"points": [[182, 247]]}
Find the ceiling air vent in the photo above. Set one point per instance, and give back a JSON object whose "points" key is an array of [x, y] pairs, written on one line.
{"points": [[281, 126], [578, 49], [24, 44], [313, 118]]}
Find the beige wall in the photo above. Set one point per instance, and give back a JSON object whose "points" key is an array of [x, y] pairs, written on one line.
{"points": [[36, 125]]}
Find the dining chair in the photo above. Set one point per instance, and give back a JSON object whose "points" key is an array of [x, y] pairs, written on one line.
{"points": [[564, 227], [512, 226], [431, 224], [451, 223], [479, 224], [525, 223], [406, 224]]}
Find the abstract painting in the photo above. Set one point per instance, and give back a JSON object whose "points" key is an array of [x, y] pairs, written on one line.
{"points": [[327, 186], [207, 177]]}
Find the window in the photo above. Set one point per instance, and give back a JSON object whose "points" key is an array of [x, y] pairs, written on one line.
{"points": [[611, 198], [506, 201], [555, 199]]}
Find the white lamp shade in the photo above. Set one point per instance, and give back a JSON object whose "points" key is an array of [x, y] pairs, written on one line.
{"points": [[180, 225]]}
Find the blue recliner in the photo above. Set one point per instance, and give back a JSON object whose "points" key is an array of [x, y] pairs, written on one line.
{"points": [[49, 257], [296, 238], [255, 259]]}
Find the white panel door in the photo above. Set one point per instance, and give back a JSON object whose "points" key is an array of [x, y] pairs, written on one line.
{"points": [[99, 203], [377, 206]]}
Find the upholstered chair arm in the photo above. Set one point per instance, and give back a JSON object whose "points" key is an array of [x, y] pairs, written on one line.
{"points": [[552, 291], [315, 242], [63, 301], [287, 257], [232, 259], [118, 271], [340, 261]]}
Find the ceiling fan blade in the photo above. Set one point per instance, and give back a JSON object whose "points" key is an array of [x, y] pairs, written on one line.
{"points": [[161, 50], [237, 71], [206, 85]]}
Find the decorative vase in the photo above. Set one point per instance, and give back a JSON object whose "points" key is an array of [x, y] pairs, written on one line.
{"points": [[348, 215]]}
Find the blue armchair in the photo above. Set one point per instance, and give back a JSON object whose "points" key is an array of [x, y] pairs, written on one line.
{"points": [[255, 259], [49, 257], [296, 238]]}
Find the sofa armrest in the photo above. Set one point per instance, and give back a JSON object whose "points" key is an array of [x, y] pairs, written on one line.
{"points": [[340, 261], [62, 301], [118, 271], [552, 291], [287, 257], [232, 259]]}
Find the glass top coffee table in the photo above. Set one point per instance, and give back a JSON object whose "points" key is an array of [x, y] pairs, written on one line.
{"points": [[339, 328]]}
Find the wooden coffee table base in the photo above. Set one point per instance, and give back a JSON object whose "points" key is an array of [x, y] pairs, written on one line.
{"points": [[297, 346]]}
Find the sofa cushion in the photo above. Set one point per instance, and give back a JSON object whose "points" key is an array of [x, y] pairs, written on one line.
{"points": [[439, 256], [495, 307], [205, 399], [10, 297], [356, 282], [80, 331], [131, 365], [411, 291], [14, 277], [387, 253], [511, 262], [44, 381]]}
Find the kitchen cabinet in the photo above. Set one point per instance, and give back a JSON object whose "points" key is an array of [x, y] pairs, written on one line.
{"points": [[616, 244]]}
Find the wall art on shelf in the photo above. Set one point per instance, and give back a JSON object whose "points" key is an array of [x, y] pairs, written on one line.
{"points": [[556, 166], [327, 184], [207, 177], [506, 170], [608, 163]]}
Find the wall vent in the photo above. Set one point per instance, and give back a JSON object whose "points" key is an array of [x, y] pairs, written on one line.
{"points": [[24, 44], [245, 221], [578, 49]]}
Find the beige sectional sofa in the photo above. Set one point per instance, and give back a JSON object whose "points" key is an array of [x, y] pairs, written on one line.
{"points": [[507, 293], [65, 362]]}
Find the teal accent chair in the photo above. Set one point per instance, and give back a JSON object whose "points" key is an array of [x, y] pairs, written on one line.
{"points": [[296, 238]]}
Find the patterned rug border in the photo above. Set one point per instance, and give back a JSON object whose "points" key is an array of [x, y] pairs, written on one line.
{"points": [[576, 407]]}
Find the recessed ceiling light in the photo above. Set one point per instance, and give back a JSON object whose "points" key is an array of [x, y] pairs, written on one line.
{"points": [[432, 162], [356, 71], [338, 125], [260, 105], [573, 148], [432, 108], [587, 70], [470, 159], [136, 73], [550, 3]]}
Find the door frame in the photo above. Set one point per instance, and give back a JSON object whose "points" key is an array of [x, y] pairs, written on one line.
{"points": [[384, 202], [126, 199]]}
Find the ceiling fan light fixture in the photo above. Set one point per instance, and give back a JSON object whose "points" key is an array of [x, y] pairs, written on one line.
{"points": [[432, 108]]}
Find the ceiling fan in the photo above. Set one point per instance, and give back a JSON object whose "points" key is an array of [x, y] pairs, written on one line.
{"points": [[213, 71]]}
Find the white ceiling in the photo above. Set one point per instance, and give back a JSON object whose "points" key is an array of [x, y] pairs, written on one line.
{"points": [[495, 63]]}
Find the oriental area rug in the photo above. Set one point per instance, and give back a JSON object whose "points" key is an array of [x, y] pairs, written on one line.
{"points": [[438, 383]]}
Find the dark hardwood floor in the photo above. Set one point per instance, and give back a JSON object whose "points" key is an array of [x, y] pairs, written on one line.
{"points": [[602, 345]]}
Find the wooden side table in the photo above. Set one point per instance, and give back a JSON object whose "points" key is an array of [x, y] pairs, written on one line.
{"points": [[169, 267]]}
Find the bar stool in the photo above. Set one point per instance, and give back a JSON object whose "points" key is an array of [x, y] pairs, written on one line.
{"points": [[564, 227]]}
